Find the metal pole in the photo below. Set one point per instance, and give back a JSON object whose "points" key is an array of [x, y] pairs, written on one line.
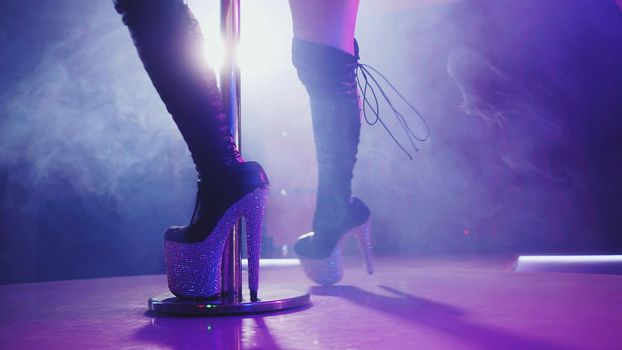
{"points": [[230, 90]]}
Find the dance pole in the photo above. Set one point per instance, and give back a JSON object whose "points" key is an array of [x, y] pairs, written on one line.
{"points": [[230, 90]]}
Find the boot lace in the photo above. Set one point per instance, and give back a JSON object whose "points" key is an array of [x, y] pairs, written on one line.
{"points": [[370, 103]]}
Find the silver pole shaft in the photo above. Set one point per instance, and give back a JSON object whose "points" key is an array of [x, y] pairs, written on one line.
{"points": [[230, 90]]}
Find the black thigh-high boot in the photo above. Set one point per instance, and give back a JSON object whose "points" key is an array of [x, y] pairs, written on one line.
{"points": [[168, 39], [328, 75]]}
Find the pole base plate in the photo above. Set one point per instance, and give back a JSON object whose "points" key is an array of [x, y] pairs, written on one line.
{"points": [[269, 300]]}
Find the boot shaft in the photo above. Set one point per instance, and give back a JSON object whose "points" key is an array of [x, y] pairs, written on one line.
{"points": [[168, 40], [329, 76]]}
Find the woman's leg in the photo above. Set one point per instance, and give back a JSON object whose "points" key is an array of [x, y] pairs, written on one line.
{"points": [[326, 22], [168, 40], [326, 58]]}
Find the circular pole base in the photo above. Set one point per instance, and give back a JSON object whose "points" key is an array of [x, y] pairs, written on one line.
{"points": [[270, 300]]}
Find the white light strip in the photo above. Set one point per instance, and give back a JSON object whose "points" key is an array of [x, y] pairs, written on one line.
{"points": [[273, 262], [570, 258]]}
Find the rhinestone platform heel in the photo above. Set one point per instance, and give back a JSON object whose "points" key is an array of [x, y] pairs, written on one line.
{"points": [[328, 270], [194, 252], [194, 269]]}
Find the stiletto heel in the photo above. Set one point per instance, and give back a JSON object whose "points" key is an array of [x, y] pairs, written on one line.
{"points": [[194, 269], [363, 236], [254, 214]]}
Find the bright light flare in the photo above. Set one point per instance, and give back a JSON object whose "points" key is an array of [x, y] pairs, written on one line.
{"points": [[265, 37], [213, 55]]}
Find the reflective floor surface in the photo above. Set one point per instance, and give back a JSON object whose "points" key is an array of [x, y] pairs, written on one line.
{"points": [[456, 303]]}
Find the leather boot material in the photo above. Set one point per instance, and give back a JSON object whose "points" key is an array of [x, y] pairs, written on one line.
{"points": [[168, 40], [329, 76], [214, 197], [320, 244]]}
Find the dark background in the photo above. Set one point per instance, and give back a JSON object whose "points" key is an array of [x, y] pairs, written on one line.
{"points": [[523, 99]]}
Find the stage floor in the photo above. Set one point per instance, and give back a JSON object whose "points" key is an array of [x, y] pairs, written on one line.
{"points": [[455, 303]]}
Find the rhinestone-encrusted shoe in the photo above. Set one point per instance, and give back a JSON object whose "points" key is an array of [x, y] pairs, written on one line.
{"points": [[194, 268], [320, 256]]}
